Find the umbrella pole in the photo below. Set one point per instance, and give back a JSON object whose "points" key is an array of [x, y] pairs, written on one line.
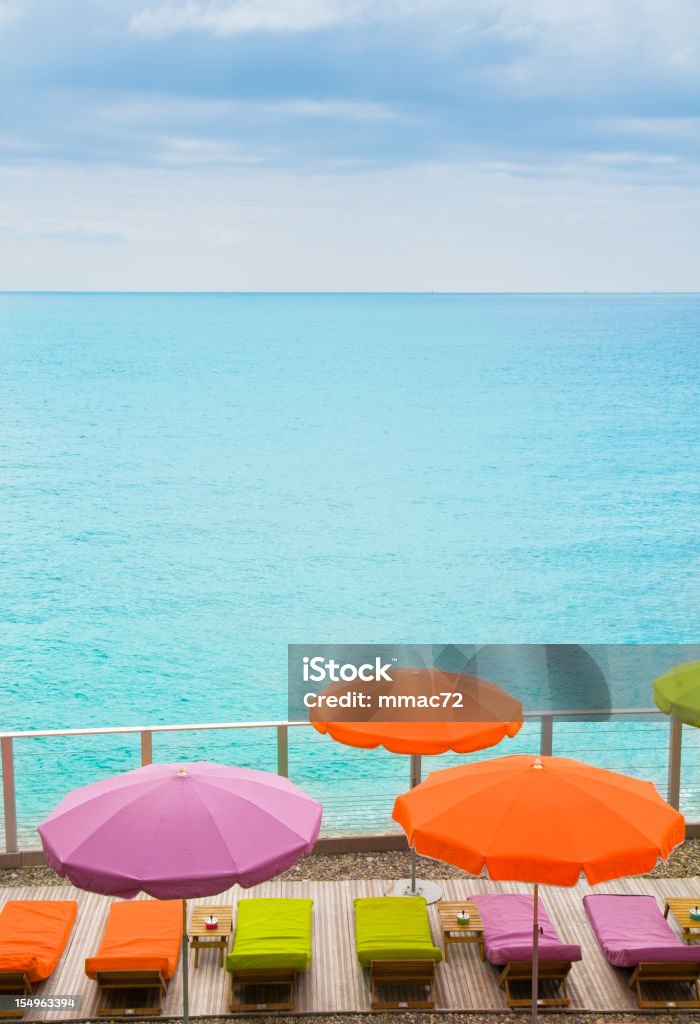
{"points": [[185, 968], [415, 781], [415, 770], [430, 891], [535, 955]]}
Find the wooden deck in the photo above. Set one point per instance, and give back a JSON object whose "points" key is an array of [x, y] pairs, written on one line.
{"points": [[336, 983]]}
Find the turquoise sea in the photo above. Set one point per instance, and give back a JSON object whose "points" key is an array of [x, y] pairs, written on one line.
{"points": [[191, 482]]}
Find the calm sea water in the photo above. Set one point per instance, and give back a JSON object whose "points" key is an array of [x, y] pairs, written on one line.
{"points": [[190, 482]]}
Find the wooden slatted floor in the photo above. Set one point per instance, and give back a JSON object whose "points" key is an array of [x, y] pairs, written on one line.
{"points": [[336, 983]]}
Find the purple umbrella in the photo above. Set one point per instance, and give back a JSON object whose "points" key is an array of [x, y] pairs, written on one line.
{"points": [[180, 831]]}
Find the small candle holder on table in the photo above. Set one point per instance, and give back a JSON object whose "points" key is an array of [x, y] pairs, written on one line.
{"points": [[210, 928], [458, 928], [684, 911]]}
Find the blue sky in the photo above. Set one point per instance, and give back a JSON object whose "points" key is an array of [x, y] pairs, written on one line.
{"points": [[350, 144]]}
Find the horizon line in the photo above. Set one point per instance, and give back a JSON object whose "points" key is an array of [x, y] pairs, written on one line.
{"points": [[202, 291]]}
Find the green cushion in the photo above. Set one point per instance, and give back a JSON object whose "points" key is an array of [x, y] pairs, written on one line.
{"points": [[393, 928], [271, 933]]}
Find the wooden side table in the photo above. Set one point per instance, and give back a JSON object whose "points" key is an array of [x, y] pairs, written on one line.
{"points": [[680, 909], [454, 933], [202, 937]]}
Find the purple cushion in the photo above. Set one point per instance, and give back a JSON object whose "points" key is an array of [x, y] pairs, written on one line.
{"points": [[632, 930], [508, 930]]}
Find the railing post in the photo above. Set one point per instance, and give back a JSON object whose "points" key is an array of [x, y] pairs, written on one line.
{"points": [[546, 735], [283, 750], [674, 763], [8, 794], [146, 747]]}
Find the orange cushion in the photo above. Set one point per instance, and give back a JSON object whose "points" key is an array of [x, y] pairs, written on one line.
{"points": [[141, 936], [33, 934]]}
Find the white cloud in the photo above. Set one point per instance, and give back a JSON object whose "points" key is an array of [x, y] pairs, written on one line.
{"points": [[184, 151], [178, 109], [62, 229], [16, 144], [633, 158], [635, 35], [348, 110], [652, 127], [9, 12], [668, 30], [228, 19]]}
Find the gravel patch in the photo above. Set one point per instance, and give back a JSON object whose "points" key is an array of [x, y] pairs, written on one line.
{"points": [[683, 862], [30, 876], [335, 867]]}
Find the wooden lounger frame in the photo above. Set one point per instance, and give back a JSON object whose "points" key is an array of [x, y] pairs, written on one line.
{"points": [[121, 981], [669, 972], [548, 970], [283, 978], [413, 973], [14, 983]]}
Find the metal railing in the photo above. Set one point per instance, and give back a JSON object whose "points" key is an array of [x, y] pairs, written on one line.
{"points": [[145, 733]]}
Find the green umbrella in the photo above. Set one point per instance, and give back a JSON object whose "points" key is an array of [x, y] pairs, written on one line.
{"points": [[677, 692]]}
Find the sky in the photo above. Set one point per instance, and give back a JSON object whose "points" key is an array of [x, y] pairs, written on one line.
{"points": [[354, 145]]}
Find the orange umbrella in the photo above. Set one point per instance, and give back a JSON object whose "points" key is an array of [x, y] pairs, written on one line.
{"points": [[540, 819], [476, 713], [484, 715]]}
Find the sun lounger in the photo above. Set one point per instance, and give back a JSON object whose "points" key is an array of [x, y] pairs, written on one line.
{"points": [[272, 944], [507, 921], [138, 953], [632, 932], [393, 939], [33, 935]]}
